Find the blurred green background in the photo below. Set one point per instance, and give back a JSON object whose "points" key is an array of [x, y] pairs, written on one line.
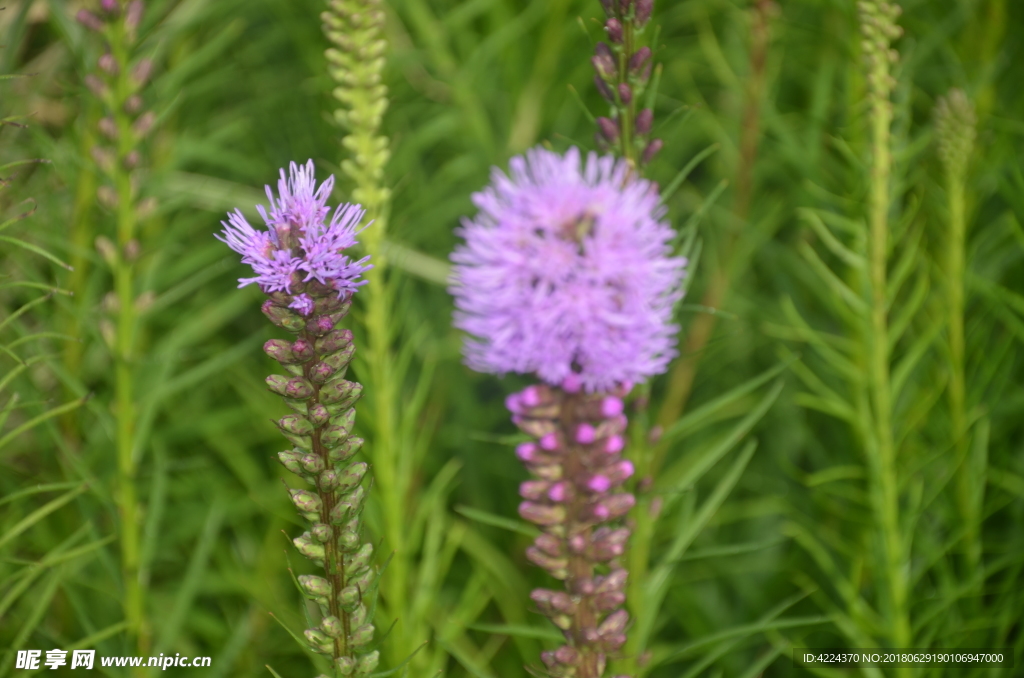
{"points": [[754, 550]]}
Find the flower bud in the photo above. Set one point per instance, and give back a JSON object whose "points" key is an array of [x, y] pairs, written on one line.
{"points": [[367, 663], [614, 29], [133, 105], [307, 547], [319, 414], [604, 61], [321, 373], [349, 597], [577, 543], [534, 490], [341, 394], [362, 581], [284, 318], [548, 471], [312, 462], [614, 581], [306, 501], [280, 350], [549, 441], [302, 351], [290, 460], [352, 476], [89, 20], [346, 450], [108, 127], [328, 480], [318, 587], [560, 492], [625, 93], [652, 150], [96, 86], [334, 341], [340, 430], [535, 428], [540, 514], [346, 665], [598, 484], [107, 63], [295, 388], [142, 71], [360, 560], [614, 624], [644, 122], [144, 124], [332, 626], [638, 61], [609, 129], [549, 544], [295, 424], [606, 602], [318, 640], [585, 434], [644, 8], [104, 158], [615, 506], [614, 444], [349, 506], [321, 532], [133, 15], [604, 89], [361, 636]]}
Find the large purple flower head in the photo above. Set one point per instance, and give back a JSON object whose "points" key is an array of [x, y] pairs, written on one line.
{"points": [[567, 272], [301, 244]]}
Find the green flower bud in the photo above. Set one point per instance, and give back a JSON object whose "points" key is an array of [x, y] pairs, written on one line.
{"points": [[318, 641], [321, 532], [306, 501], [301, 442], [328, 480], [346, 665], [352, 476], [349, 598], [340, 395], [318, 587], [367, 663], [359, 560], [348, 540], [283, 317], [339, 360], [346, 450], [295, 424], [308, 548], [332, 626], [357, 617], [362, 581], [279, 350], [319, 414], [290, 460], [348, 507], [362, 636], [335, 340], [312, 462]]}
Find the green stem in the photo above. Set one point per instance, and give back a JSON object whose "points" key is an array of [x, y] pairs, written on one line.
{"points": [[627, 112], [881, 449]]}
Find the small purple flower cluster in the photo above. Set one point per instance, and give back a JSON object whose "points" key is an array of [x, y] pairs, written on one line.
{"points": [[301, 253], [576, 460], [567, 271]]}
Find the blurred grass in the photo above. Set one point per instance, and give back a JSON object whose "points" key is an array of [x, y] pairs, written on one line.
{"points": [[242, 88]]}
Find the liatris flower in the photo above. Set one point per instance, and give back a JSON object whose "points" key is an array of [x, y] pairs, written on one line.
{"points": [[300, 263], [566, 273], [566, 270]]}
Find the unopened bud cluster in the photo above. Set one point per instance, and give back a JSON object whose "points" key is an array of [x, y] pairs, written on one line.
{"points": [[320, 430], [623, 72], [576, 498], [878, 30], [117, 82], [356, 63], [955, 127]]}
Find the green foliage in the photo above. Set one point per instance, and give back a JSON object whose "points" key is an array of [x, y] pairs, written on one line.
{"points": [[758, 523]]}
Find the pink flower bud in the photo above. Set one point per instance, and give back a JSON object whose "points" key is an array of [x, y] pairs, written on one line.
{"points": [[614, 445], [549, 543], [614, 30], [585, 434], [560, 492], [614, 581], [526, 451], [599, 484], [513, 403], [534, 490], [107, 63], [616, 505], [614, 624], [611, 406], [89, 20], [540, 514], [549, 442], [572, 383], [577, 543]]}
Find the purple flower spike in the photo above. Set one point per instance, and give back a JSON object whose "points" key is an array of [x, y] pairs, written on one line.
{"points": [[567, 273], [585, 434], [298, 246]]}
